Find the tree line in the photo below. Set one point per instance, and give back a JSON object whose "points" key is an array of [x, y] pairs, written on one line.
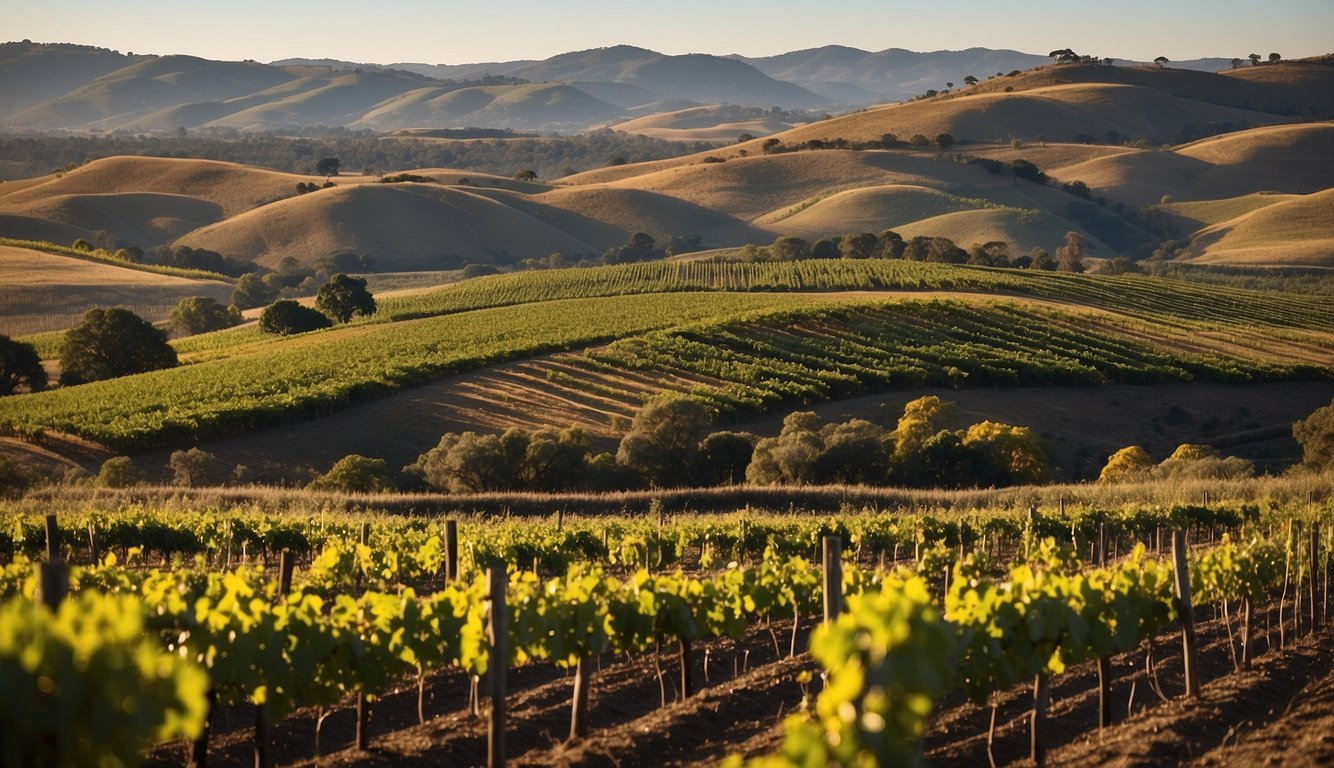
{"points": [[551, 157]]}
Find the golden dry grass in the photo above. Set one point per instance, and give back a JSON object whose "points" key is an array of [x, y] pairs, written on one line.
{"points": [[1024, 230], [42, 292], [1056, 111], [1203, 213], [865, 208], [608, 216], [1295, 158], [145, 219], [1298, 230], [234, 187], [404, 226]]}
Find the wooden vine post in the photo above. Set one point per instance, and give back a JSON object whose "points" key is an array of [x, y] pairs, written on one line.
{"points": [[52, 575], [497, 632], [286, 564], [833, 577], [1038, 727], [583, 678], [1181, 576], [363, 734], [1314, 569], [1104, 692], [451, 550]]}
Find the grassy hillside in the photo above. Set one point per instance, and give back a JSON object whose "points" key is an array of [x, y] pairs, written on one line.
{"points": [[1146, 330], [42, 291], [1295, 230]]}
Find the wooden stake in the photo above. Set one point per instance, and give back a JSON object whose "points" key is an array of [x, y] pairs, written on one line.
{"points": [[583, 677], [451, 550], [1041, 701], [1181, 574], [92, 543], [1104, 692], [1315, 569], [687, 673], [52, 540], [497, 633], [833, 577]]}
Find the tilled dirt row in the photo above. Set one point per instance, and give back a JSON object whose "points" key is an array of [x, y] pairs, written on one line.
{"points": [[1277, 712]]}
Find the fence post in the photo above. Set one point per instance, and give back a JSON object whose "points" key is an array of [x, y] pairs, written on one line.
{"points": [[497, 633], [1038, 726], [52, 540], [451, 550], [92, 542], [583, 677], [1314, 570], [833, 577], [1181, 574], [1102, 545]]}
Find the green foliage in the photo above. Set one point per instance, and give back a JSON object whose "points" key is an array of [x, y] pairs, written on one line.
{"points": [[663, 441], [287, 317], [20, 366], [344, 297], [112, 342], [253, 290], [194, 468], [1315, 433], [355, 474], [88, 685], [198, 314], [118, 472]]}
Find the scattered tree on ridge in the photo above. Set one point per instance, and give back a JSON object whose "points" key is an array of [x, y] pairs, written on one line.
{"points": [[327, 166], [343, 297]]}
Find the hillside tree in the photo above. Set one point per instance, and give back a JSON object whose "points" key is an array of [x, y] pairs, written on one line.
{"points": [[113, 342], [1315, 434], [355, 474], [663, 441], [287, 317], [344, 297], [201, 314], [1070, 257], [327, 166], [20, 366]]}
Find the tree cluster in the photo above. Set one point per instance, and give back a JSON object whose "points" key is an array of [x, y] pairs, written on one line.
{"points": [[1188, 461], [919, 453], [339, 300]]}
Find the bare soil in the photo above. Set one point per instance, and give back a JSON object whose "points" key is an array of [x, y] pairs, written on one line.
{"points": [[1277, 712]]}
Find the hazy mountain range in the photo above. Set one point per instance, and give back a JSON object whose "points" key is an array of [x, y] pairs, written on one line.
{"points": [[70, 87]]}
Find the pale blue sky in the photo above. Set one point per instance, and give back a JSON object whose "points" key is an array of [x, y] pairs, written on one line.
{"points": [[446, 32]]}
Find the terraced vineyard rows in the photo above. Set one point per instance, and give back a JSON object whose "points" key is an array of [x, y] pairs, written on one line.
{"points": [[774, 348], [310, 374], [1132, 294]]}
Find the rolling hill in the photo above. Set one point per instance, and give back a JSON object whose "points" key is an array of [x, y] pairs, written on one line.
{"points": [[42, 292]]}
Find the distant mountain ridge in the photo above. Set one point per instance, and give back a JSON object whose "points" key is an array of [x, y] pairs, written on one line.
{"points": [[71, 87]]}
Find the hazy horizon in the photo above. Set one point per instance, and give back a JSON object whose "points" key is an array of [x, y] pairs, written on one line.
{"points": [[450, 33]]}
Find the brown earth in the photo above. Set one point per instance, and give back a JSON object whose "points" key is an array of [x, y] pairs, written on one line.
{"points": [[1274, 713]]}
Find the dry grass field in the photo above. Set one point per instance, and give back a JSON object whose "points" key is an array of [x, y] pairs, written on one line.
{"points": [[42, 292]]}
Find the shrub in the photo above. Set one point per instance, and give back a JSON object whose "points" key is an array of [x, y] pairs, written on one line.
{"points": [[287, 317]]}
